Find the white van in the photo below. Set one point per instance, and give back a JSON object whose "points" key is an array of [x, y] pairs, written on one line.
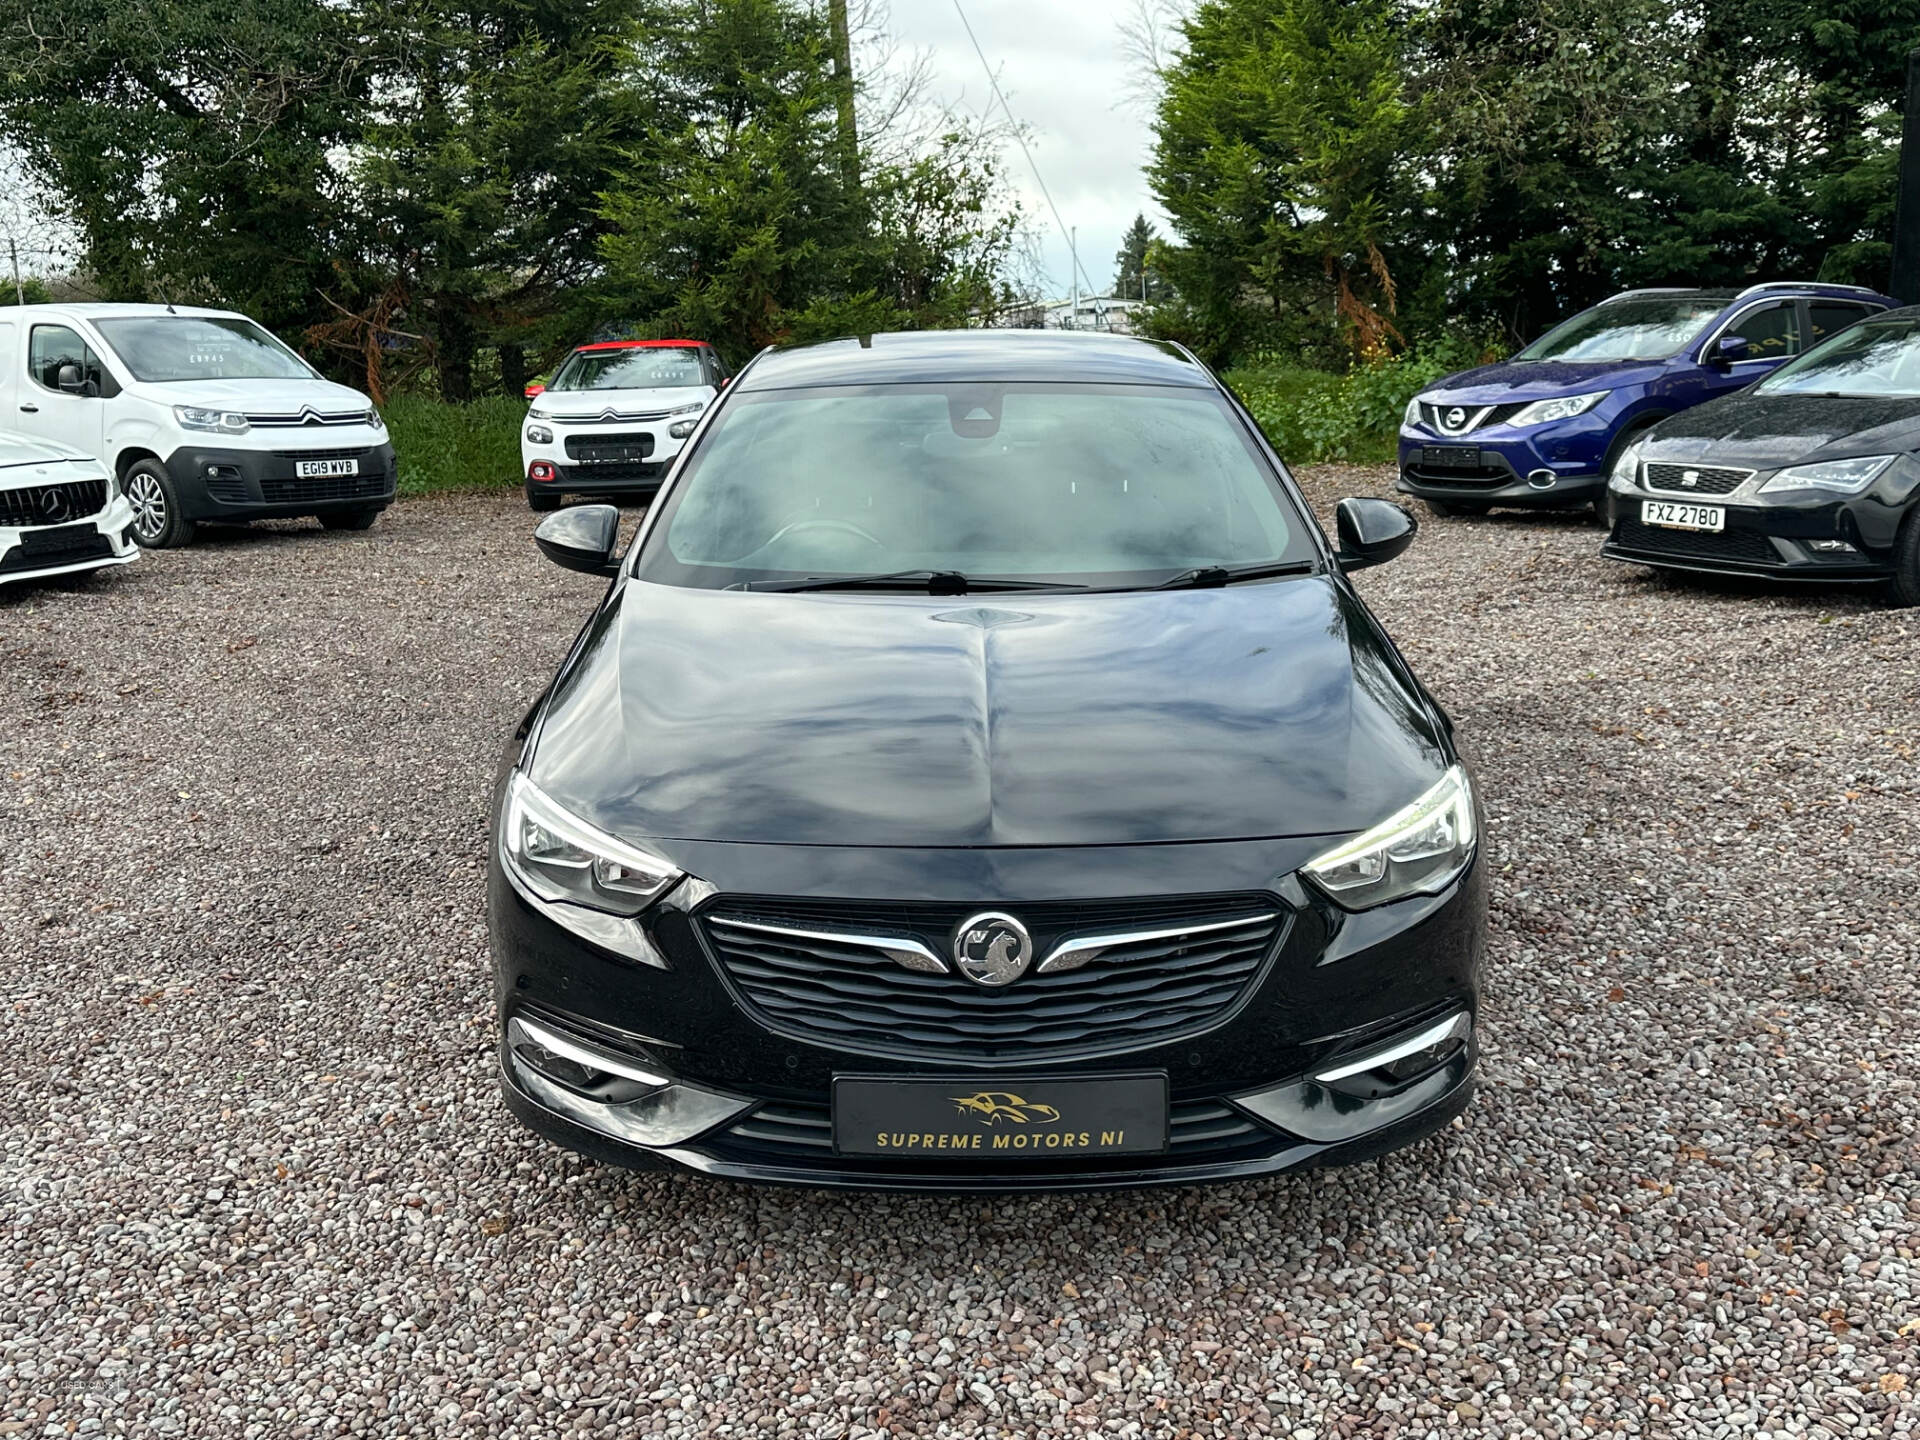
{"points": [[201, 415]]}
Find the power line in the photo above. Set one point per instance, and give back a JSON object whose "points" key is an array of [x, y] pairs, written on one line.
{"points": [[993, 80]]}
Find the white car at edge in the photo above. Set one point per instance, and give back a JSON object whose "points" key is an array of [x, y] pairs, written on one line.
{"points": [[61, 513]]}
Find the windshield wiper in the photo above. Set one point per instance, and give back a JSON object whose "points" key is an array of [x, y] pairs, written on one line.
{"points": [[936, 582], [1205, 577]]}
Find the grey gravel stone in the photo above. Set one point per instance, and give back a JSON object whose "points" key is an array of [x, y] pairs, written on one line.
{"points": [[256, 1181]]}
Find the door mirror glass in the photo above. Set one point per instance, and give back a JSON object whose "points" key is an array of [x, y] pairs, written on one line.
{"points": [[1372, 532], [581, 538]]}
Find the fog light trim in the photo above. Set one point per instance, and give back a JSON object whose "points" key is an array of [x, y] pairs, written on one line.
{"points": [[669, 1113], [1457, 1027]]}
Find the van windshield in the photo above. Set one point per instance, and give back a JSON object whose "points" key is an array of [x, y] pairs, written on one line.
{"points": [[200, 347]]}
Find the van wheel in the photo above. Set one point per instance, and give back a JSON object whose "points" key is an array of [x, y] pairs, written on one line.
{"points": [[349, 519], [1904, 588], [159, 521], [541, 501], [1458, 507]]}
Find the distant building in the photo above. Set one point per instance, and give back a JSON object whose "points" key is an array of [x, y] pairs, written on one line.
{"points": [[1113, 313]]}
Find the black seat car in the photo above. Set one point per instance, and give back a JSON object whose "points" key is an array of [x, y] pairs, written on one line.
{"points": [[981, 774], [1813, 474]]}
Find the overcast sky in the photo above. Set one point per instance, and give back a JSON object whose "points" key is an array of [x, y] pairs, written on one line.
{"points": [[1061, 68]]}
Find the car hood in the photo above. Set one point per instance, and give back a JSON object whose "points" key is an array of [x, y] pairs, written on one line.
{"points": [[30, 453], [258, 397], [994, 720], [1513, 380], [1764, 431], [591, 404]]}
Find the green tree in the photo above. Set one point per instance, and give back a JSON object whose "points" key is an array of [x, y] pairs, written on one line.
{"points": [[1136, 269], [1284, 157]]}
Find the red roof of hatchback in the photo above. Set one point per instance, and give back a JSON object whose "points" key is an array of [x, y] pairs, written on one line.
{"points": [[641, 344]]}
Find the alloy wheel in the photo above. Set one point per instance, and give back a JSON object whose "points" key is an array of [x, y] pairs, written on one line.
{"points": [[149, 507]]}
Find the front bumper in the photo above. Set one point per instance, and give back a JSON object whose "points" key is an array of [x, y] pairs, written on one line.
{"points": [[1792, 536], [1329, 987], [230, 484], [1548, 467], [93, 543], [620, 460]]}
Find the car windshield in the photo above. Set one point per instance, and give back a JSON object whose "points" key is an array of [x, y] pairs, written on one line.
{"points": [[1072, 484], [1877, 358], [200, 347], [1648, 327], [652, 367]]}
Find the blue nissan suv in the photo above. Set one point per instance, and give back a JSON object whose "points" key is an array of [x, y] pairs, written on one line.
{"points": [[1541, 430]]}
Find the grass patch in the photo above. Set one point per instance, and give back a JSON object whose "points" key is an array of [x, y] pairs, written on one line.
{"points": [[455, 447]]}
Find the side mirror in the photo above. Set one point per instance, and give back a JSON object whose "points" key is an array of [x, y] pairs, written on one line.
{"points": [[1371, 532], [581, 538], [70, 380], [535, 390], [1730, 348]]}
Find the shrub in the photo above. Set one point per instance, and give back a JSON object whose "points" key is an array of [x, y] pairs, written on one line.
{"points": [[441, 446]]}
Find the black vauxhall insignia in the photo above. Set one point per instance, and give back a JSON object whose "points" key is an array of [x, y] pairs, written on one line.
{"points": [[980, 774]]}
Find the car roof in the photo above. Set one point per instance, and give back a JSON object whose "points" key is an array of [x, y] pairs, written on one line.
{"points": [[643, 345], [110, 309], [909, 356]]}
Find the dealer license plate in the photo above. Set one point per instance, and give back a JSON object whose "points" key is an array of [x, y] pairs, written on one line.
{"points": [[983, 1122], [319, 469], [1677, 516]]}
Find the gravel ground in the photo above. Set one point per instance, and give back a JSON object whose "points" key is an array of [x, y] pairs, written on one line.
{"points": [[255, 1178]]}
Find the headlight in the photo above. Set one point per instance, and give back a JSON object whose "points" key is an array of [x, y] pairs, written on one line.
{"points": [[1848, 477], [1626, 470], [539, 435], [1540, 412], [227, 422], [1416, 851], [591, 882], [536, 413], [680, 429], [1412, 417], [374, 422]]}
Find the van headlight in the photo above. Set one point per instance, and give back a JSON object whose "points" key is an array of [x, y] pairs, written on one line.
{"points": [[225, 422], [1543, 412], [539, 435], [374, 420], [1418, 850], [681, 428]]}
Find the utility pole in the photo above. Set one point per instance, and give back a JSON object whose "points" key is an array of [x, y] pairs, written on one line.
{"points": [[843, 84], [1904, 283], [1073, 258], [19, 292]]}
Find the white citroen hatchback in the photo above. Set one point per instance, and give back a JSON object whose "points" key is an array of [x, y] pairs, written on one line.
{"points": [[201, 415]]}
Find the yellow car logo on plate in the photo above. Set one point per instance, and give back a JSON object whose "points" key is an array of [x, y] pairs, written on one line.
{"points": [[996, 1106]]}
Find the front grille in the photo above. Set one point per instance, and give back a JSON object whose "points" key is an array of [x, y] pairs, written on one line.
{"points": [[304, 418], [853, 999], [1744, 546], [600, 450], [323, 487], [801, 1135], [1707, 480], [610, 417], [1492, 472], [53, 504], [1498, 415], [352, 452], [66, 545]]}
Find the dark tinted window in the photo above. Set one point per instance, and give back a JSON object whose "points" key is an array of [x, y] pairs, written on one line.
{"points": [[1771, 332], [1642, 328], [55, 346], [1832, 316], [1111, 484]]}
